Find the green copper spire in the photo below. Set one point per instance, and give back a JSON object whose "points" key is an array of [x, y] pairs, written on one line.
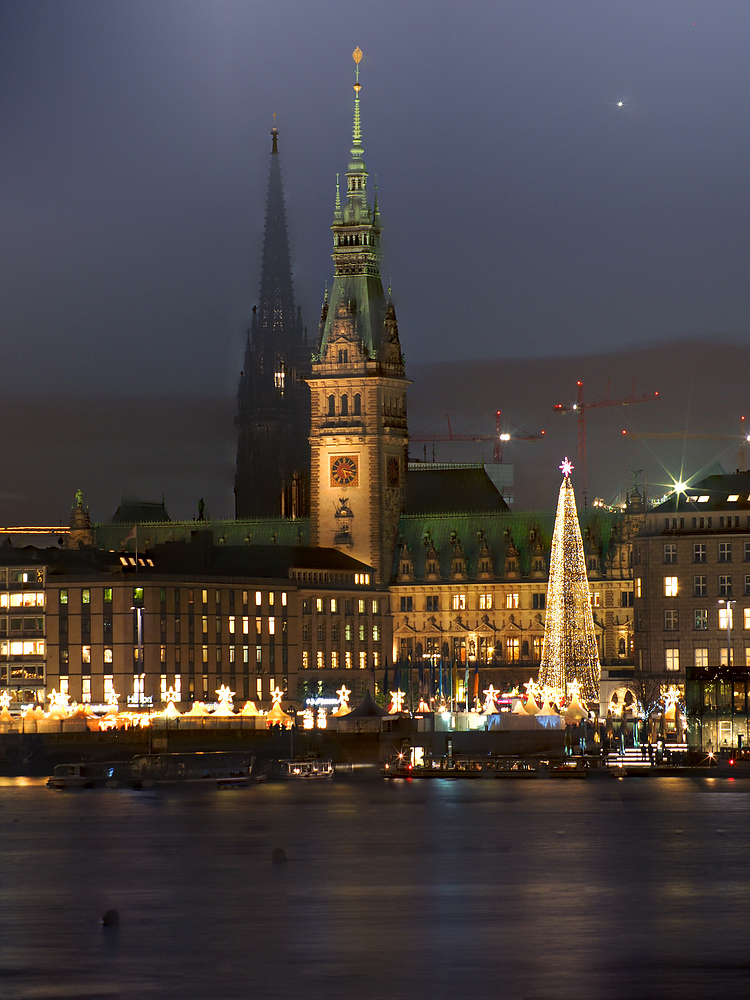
{"points": [[357, 285]]}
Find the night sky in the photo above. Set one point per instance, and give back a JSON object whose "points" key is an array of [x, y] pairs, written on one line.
{"points": [[555, 180]]}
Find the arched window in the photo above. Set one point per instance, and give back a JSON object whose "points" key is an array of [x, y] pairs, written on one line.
{"points": [[357, 404], [331, 406], [344, 406]]}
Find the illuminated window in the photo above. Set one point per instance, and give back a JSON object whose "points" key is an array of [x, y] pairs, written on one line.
{"points": [[258, 626], [107, 654], [245, 626], [334, 605], [205, 654], [723, 618], [348, 660], [746, 614], [348, 632], [319, 605], [363, 661], [272, 626], [162, 654], [511, 601], [63, 597], [375, 607], [319, 658], [670, 586], [334, 660], [701, 619], [595, 600], [512, 649], [107, 595], [86, 690], [701, 656], [231, 625], [376, 633], [109, 687], [283, 598], [485, 602], [85, 654], [459, 602], [361, 633], [204, 623], [137, 595], [305, 660], [361, 605], [672, 659], [204, 596], [85, 597], [163, 687]]}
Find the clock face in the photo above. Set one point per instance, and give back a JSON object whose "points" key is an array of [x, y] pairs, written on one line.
{"points": [[344, 471], [393, 472]]}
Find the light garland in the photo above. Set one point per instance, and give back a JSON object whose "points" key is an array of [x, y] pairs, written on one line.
{"points": [[569, 650]]}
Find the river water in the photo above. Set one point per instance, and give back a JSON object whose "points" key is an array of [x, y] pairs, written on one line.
{"points": [[637, 887]]}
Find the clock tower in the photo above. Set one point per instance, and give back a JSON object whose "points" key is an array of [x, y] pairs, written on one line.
{"points": [[358, 438]]}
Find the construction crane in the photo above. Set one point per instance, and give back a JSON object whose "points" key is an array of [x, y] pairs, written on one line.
{"points": [[580, 406], [498, 438], [743, 437]]}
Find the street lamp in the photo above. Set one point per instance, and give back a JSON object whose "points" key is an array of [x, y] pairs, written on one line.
{"points": [[728, 604]]}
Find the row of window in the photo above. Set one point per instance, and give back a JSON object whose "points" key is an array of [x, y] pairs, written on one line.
{"points": [[701, 657], [235, 654], [349, 631], [24, 599], [343, 405], [725, 520], [335, 662], [700, 586], [700, 552], [21, 577], [272, 598], [322, 605], [700, 619], [17, 647]]}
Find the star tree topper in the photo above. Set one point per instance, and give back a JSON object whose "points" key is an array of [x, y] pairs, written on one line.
{"points": [[566, 467], [343, 693]]}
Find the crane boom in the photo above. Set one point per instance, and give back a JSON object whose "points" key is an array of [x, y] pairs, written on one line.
{"points": [[581, 405]]}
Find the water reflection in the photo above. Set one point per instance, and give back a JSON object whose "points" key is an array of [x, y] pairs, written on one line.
{"points": [[540, 890]]}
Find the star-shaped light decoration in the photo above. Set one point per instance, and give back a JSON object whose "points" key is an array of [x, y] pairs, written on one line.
{"points": [[276, 695], [4, 700], [225, 696], [574, 689], [171, 695], [343, 693], [59, 701], [397, 701], [531, 687], [672, 696], [489, 700], [566, 467], [113, 699]]}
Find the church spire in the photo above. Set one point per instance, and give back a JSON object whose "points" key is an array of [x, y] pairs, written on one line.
{"points": [[273, 402]]}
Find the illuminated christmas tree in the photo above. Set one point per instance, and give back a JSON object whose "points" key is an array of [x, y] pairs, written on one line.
{"points": [[569, 651]]}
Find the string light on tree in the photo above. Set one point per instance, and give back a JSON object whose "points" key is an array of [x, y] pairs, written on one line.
{"points": [[569, 651]]}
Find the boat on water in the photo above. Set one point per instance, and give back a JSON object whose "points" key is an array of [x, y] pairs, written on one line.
{"points": [[89, 775], [305, 770], [461, 768], [146, 770]]}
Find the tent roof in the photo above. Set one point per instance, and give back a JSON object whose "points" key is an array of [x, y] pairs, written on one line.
{"points": [[367, 709]]}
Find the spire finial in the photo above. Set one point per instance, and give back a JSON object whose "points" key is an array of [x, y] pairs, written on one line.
{"points": [[274, 136], [357, 132], [338, 196]]}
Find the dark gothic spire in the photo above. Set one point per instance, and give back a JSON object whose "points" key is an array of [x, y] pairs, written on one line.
{"points": [[273, 402]]}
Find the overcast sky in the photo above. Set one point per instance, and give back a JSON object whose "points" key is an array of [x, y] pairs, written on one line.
{"points": [[526, 212]]}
